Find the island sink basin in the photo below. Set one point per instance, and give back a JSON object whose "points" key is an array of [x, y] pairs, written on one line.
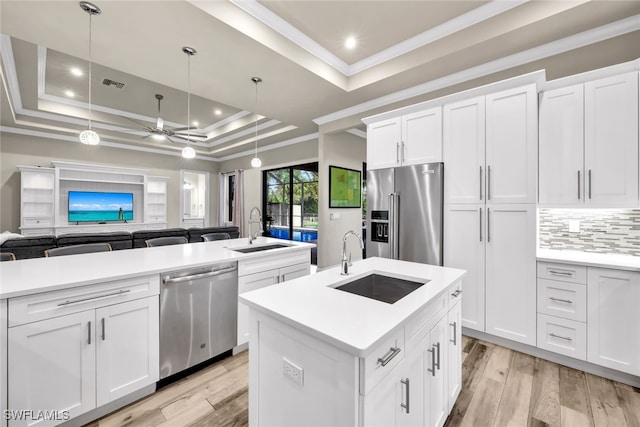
{"points": [[260, 248], [382, 288]]}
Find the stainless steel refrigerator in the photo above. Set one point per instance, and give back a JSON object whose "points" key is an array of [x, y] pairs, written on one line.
{"points": [[405, 213]]}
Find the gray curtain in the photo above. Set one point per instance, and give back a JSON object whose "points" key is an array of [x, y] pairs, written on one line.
{"points": [[238, 209]]}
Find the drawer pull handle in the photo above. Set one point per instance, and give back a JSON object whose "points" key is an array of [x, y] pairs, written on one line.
{"points": [[568, 301], [406, 385], [561, 273], [89, 330], [393, 352], [76, 301], [455, 333], [561, 337], [456, 293], [103, 331]]}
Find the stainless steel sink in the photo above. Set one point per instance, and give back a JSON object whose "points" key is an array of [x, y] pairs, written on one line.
{"points": [[260, 248], [382, 288]]}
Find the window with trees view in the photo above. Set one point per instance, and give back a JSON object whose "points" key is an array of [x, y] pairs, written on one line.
{"points": [[290, 202]]}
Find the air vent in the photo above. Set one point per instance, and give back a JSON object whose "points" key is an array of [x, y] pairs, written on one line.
{"points": [[109, 82]]}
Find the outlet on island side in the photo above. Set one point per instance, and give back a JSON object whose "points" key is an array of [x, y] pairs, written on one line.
{"points": [[292, 371]]}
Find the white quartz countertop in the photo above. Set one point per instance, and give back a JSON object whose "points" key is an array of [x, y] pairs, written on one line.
{"points": [[622, 262], [351, 322], [29, 276]]}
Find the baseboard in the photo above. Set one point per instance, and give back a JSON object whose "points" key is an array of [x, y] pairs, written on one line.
{"points": [[240, 348], [560, 359]]}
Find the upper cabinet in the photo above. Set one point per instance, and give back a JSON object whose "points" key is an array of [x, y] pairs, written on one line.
{"points": [[589, 143], [490, 148], [405, 140]]}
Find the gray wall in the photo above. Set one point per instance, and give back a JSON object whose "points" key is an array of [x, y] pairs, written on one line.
{"points": [[32, 151], [348, 151]]}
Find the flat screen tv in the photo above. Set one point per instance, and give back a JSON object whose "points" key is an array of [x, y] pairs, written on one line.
{"points": [[89, 206]]}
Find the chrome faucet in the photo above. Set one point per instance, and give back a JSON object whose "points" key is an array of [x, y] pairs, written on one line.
{"points": [[253, 237], [346, 262]]}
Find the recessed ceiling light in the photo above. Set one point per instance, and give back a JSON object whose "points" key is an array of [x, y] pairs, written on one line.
{"points": [[194, 123], [350, 42], [157, 137], [217, 112], [69, 93], [76, 72]]}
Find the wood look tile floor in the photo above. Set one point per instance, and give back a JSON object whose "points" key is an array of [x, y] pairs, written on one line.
{"points": [[500, 387]]}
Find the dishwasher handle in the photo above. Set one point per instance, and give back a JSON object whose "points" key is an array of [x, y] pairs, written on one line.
{"points": [[168, 280]]}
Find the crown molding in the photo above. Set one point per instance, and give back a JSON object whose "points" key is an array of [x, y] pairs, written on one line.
{"points": [[566, 44], [245, 132]]}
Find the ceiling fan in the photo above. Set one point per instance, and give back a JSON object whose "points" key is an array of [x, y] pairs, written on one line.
{"points": [[160, 132]]}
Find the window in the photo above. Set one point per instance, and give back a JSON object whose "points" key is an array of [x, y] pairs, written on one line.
{"points": [[227, 198], [290, 202]]}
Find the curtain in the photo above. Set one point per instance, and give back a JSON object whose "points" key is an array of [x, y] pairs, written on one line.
{"points": [[238, 208], [221, 198]]}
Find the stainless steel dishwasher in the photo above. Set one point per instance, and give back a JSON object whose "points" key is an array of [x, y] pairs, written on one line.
{"points": [[198, 315]]}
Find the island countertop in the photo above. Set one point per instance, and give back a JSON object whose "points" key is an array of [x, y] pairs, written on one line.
{"points": [[29, 276], [350, 322]]}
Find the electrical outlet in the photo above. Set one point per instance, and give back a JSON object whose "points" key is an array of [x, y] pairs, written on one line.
{"points": [[574, 226], [292, 371], [334, 215]]}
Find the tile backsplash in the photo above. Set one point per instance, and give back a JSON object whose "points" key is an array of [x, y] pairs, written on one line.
{"points": [[600, 230]]}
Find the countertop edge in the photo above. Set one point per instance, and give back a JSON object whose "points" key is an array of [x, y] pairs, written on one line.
{"points": [[616, 262]]}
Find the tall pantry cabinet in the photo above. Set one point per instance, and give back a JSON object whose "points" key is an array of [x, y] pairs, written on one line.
{"points": [[490, 156]]}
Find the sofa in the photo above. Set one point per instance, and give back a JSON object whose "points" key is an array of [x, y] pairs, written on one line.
{"points": [[34, 246]]}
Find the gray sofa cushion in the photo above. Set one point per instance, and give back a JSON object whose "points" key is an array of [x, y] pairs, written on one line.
{"points": [[117, 239], [195, 234], [139, 237], [29, 247]]}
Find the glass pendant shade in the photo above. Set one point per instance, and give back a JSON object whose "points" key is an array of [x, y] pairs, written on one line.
{"points": [[89, 137], [256, 162], [188, 152]]}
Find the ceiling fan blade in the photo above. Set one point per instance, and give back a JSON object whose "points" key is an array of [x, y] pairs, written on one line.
{"points": [[147, 136], [193, 134], [181, 129], [142, 125]]}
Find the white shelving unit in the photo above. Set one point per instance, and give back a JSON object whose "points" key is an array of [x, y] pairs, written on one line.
{"points": [[37, 200], [156, 200]]}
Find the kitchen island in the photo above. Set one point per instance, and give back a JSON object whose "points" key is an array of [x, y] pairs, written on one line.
{"points": [[324, 356]]}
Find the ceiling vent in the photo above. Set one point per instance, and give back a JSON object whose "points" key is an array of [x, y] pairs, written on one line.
{"points": [[109, 82]]}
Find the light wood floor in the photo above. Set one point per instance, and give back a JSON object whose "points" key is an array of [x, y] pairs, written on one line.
{"points": [[501, 387]]}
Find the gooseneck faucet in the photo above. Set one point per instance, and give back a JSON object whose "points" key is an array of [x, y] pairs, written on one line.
{"points": [[346, 262], [252, 236]]}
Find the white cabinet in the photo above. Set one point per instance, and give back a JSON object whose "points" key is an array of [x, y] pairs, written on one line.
{"points": [[248, 281], [511, 272], [437, 401], [454, 355], [37, 200], [74, 350], [464, 241], [613, 324], [155, 209], [410, 139], [589, 143], [490, 148]]}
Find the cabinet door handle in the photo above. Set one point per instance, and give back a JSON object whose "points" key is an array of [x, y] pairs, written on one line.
{"points": [[561, 273], [456, 293], [437, 345], [103, 333], [406, 385], [404, 151], [433, 361], [480, 211], [589, 183], [397, 152], [578, 185], [488, 225], [480, 182], [393, 352], [455, 330], [488, 182], [89, 329], [561, 300], [561, 337]]}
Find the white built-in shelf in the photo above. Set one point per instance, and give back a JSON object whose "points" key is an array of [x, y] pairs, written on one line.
{"points": [[113, 181]]}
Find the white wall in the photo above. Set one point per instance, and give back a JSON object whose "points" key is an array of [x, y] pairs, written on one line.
{"points": [[348, 151], [32, 151], [304, 152]]}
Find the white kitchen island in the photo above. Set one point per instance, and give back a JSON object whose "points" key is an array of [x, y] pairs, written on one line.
{"points": [[322, 356]]}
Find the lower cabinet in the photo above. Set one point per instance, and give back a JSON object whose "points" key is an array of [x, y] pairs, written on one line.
{"points": [[454, 354], [251, 282], [74, 350]]}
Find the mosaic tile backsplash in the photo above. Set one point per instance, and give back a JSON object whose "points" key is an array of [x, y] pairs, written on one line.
{"points": [[601, 230]]}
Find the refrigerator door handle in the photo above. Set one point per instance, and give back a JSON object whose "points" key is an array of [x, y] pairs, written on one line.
{"points": [[390, 230], [394, 199]]}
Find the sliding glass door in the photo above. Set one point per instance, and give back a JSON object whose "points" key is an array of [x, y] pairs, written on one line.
{"points": [[290, 202]]}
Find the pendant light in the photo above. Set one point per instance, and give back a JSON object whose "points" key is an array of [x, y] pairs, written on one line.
{"points": [[256, 162], [89, 136], [188, 152]]}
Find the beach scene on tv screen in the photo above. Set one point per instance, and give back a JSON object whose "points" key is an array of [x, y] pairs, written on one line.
{"points": [[87, 206]]}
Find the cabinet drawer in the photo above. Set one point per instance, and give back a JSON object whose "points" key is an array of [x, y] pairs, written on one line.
{"points": [[36, 222], [422, 322], [46, 305], [562, 299], [562, 336], [381, 361], [267, 262], [563, 272]]}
